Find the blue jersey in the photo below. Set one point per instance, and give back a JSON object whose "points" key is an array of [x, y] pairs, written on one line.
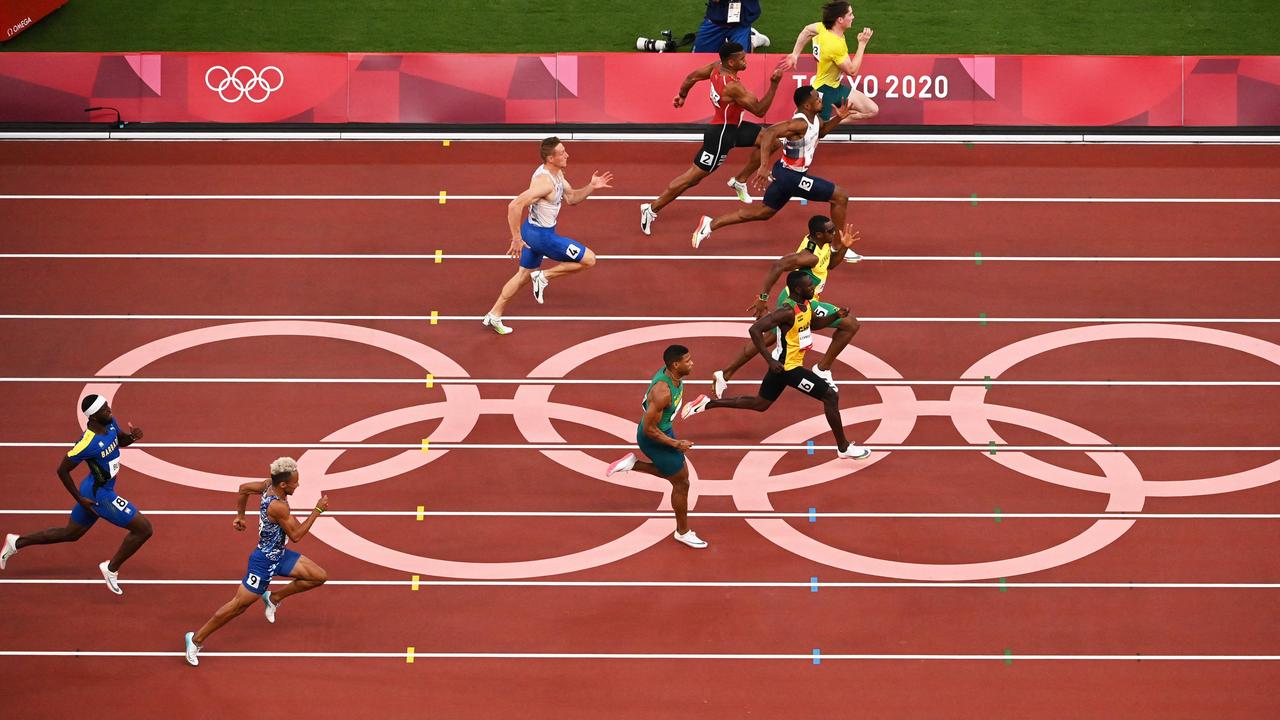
{"points": [[101, 453], [271, 537]]}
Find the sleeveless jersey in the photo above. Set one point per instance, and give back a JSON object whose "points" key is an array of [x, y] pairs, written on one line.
{"points": [[798, 154], [677, 397], [727, 112], [818, 272], [798, 337], [543, 212], [271, 537], [101, 453], [830, 50]]}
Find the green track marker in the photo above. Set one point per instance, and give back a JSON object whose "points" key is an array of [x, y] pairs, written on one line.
{"points": [[969, 145], [973, 199], [991, 447], [977, 258], [982, 319], [986, 381], [1008, 656], [1003, 587], [998, 518]]}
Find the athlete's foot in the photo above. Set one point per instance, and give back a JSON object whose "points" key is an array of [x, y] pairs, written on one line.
{"points": [[691, 539], [826, 375], [113, 583], [495, 323], [624, 464], [193, 650], [851, 256], [698, 405], [270, 610], [853, 452], [741, 189], [719, 384], [703, 232], [540, 283], [647, 216], [10, 549]]}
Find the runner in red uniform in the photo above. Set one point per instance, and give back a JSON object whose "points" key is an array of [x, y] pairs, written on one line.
{"points": [[727, 130]]}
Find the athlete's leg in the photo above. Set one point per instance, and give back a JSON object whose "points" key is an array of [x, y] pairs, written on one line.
{"points": [[139, 532], [565, 268], [71, 533], [753, 213], [844, 333], [831, 408], [223, 615], [509, 290], [839, 207], [680, 498], [864, 106], [683, 182], [742, 402], [307, 576]]}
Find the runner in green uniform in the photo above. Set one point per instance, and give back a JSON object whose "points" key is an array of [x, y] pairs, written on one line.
{"points": [[661, 402], [818, 252]]}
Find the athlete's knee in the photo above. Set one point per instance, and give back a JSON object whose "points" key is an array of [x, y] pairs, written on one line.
{"points": [[142, 528], [849, 326], [320, 577], [680, 481], [839, 197], [761, 404], [589, 260], [831, 401], [74, 532]]}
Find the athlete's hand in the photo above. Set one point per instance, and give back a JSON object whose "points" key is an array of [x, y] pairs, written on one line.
{"points": [[87, 504], [779, 69], [761, 179], [864, 37], [849, 236], [238, 523], [842, 313], [759, 308], [845, 110], [683, 445], [135, 434], [517, 246], [601, 181], [677, 102], [323, 503], [789, 62], [776, 366]]}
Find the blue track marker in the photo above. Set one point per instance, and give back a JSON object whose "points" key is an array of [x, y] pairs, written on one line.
{"points": [[809, 447], [813, 514], [817, 656], [804, 201], [813, 584]]}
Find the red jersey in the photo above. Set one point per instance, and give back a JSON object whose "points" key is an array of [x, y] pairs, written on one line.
{"points": [[728, 112]]}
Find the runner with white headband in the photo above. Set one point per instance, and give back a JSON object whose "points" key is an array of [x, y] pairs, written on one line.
{"points": [[99, 449]]}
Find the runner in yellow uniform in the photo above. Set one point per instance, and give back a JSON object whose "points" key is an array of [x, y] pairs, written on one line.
{"points": [[836, 70]]}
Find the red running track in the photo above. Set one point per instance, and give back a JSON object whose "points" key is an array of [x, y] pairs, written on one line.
{"points": [[932, 621]]}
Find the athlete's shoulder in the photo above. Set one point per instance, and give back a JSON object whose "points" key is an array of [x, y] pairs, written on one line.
{"points": [[82, 444]]}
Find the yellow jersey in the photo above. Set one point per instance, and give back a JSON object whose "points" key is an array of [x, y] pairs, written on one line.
{"points": [[817, 272], [798, 337], [830, 50]]}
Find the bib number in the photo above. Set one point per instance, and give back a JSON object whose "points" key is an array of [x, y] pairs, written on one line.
{"points": [[735, 12], [253, 581], [113, 466], [804, 338], [120, 503], [806, 183], [715, 96]]}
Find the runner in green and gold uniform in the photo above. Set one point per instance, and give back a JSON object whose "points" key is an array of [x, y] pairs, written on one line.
{"points": [[836, 69], [793, 322], [817, 254], [654, 435]]}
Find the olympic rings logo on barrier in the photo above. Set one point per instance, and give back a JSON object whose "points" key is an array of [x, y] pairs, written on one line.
{"points": [[246, 83], [751, 482]]}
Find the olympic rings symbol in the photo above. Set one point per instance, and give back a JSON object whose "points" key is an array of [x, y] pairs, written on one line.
{"points": [[244, 82], [751, 482]]}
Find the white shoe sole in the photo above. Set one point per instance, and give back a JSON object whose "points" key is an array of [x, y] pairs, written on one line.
{"points": [[496, 326], [646, 221], [699, 235], [193, 658], [718, 384], [112, 584], [10, 549], [699, 545]]}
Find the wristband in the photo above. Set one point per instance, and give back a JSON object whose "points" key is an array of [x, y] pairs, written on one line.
{"points": [[318, 510], [764, 297]]}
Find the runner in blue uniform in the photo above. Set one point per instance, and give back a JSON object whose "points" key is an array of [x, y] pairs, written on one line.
{"points": [[270, 558], [95, 496]]}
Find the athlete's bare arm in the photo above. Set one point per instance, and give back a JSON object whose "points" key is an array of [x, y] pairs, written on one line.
{"points": [[659, 398], [257, 487], [541, 187], [64, 474], [279, 512], [829, 320], [784, 264], [806, 35], [782, 318], [841, 113], [769, 138], [693, 78], [852, 65], [737, 92], [573, 195]]}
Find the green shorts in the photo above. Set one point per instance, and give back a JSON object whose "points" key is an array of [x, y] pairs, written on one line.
{"points": [[820, 309], [667, 459], [833, 96]]}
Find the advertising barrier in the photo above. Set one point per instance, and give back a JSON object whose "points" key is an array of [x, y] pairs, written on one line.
{"points": [[18, 15], [626, 88]]}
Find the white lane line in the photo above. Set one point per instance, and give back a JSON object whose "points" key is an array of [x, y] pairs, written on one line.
{"points": [[638, 381], [720, 515], [626, 318], [714, 258], [621, 446], [808, 585], [813, 657], [436, 198]]}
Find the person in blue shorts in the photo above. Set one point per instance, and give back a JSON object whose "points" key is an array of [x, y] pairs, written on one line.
{"points": [[654, 435], [270, 558], [729, 21], [536, 238], [95, 496]]}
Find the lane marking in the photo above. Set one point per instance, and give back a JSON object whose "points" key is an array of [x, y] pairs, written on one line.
{"points": [[987, 381], [808, 657], [440, 256], [440, 197], [624, 446], [434, 317], [811, 584], [812, 514]]}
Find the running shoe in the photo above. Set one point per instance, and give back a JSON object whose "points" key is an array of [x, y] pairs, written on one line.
{"points": [[540, 283], [826, 375], [741, 188], [625, 464], [112, 582], [270, 610], [851, 256], [193, 650], [853, 452], [703, 232], [698, 405], [719, 384], [10, 549], [496, 324], [758, 39], [691, 539], [647, 216]]}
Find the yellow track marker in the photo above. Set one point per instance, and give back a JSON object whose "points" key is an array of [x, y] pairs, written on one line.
{"points": [[421, 511], [435, 317], [446, 143], [408, 655], [442, 197], [414, 584], [425, 443], [439, 256], [431, 380]]}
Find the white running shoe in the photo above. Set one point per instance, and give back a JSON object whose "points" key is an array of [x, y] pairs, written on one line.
{"points": [[193, 650], [270, 610], [698, 405], [540, 283], [826, 375], [624, 464], [719, 384], [703, 232], [647, 216], [691, 539], [851, 256], [112, 582], [853, 452], [496, 324], [758, 39], [741, 188], [10, 549]]}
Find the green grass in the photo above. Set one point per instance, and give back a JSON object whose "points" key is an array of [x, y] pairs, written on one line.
{"points": [[1086, 27]]}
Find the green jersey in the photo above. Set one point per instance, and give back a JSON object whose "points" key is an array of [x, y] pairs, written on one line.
{"points": [[677, 397]]}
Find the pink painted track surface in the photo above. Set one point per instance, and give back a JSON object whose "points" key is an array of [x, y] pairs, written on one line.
{"points": [[681, 620]]}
